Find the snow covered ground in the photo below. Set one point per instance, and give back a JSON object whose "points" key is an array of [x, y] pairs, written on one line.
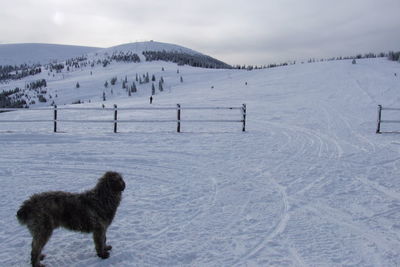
{"points": [[308, 184]]}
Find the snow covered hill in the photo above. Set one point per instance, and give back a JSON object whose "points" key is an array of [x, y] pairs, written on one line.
{"points": [[309, 183], [31, 84], [15, 54], [89, 77]]}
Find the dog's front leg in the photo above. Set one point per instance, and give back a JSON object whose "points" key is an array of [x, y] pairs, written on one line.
{"points": [[106, 247], [99, 237]]}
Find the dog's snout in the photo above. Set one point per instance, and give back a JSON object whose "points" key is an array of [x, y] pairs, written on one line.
{"points": [[122, 185]]}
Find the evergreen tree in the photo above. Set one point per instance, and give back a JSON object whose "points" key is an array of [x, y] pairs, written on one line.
{"points": [[106, 84], [77, 85], [42, 98], [153, 89], [134, 89], [113, 80], [160, 86], [181, 79], [153, 78]]}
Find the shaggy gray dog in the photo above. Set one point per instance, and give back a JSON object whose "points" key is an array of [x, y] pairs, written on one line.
{"points": [[89, 212]]}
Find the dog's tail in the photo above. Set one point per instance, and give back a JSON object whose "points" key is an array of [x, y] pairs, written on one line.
{"points": [[23, 214]]}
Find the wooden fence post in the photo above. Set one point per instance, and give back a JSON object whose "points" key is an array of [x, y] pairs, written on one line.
{"points": [[244, 117], [178, 128], [378, 127], [55, 118], [115, 118]]}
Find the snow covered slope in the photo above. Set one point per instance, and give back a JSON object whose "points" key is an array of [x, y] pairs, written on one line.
{"points": [[12, 54], [309, 183], [15, 54]]}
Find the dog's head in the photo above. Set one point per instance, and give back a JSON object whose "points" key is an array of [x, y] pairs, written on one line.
{"points": [[114, 181]]}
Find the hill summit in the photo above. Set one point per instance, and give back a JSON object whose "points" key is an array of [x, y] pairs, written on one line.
{"points": [[17, 54]]}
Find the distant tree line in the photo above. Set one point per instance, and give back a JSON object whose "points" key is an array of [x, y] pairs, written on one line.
{"points": [[194, 60], [394, 56], [83, 61]]}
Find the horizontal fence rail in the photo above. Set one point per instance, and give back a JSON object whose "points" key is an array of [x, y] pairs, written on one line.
{"points": [[380, 121], [115, 121]]}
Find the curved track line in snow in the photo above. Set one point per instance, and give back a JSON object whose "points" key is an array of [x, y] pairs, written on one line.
{"points": [[278, 229], [380, 188], [339, 217]]}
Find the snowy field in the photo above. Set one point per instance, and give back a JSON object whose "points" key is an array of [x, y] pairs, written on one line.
{"points": [[308, 184]]}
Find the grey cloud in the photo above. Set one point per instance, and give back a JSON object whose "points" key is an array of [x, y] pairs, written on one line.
{"points": [[237, 31]]}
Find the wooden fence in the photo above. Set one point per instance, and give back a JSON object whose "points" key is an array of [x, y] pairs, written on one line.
{"points": [[380, 121], [115, 121]]}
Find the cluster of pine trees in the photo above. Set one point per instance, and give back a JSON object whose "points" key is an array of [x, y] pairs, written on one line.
{"points": [[128, 57], [37, 84], [55, 67], [8, 72], [11, 99], [194, 60], [131, 87], [125, 57], [19, 98], [394, 56], [76, 62]]}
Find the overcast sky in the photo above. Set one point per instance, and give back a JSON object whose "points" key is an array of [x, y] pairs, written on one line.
{"points": [[235, 31]]}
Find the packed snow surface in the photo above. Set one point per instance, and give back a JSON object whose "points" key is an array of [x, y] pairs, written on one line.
{"points": [[308, 184]]}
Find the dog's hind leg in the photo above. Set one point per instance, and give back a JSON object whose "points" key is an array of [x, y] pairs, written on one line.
{"points": [[39, 240]]}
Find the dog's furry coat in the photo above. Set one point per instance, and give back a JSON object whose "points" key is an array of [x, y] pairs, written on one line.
{"points": [[89, 212]]}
